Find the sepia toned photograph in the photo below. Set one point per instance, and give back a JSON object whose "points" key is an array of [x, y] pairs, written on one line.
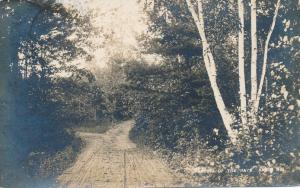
{"points": [[149, 93]]}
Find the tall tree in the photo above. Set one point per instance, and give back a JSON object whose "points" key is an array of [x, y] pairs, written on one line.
{"points": [[210, 65], [255, 97], [241, 54]]}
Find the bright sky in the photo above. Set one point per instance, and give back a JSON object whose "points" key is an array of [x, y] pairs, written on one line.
{"points": [[122, 18]]}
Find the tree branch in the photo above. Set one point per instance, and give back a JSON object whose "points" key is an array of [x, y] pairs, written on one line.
{"points": [[265, 60]]}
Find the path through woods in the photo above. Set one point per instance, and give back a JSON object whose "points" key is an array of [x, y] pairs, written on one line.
{"points": [[112, 160]]}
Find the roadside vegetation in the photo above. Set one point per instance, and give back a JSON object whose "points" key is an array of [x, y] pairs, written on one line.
{"points": [[191, 107], [46, 95]]}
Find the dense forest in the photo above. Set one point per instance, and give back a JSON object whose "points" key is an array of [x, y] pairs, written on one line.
{"points": [[221, 89]]}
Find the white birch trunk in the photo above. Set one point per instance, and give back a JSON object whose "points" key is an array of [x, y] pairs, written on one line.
{"points": [[211, 69], [265, 59], [253, 51], [241, 53]]}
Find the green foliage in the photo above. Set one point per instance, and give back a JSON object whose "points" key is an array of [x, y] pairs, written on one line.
{"points": [[79, 99], [269, 149], [167, 106], [114, 84], [174, 100]]}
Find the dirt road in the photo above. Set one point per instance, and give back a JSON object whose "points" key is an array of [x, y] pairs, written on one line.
{"points": [[112, 160]]}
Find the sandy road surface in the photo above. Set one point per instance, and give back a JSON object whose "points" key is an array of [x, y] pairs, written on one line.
{"points": [[111, 160]]}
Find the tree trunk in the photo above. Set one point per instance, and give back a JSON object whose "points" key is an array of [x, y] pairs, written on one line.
{"points": [[241, 52], [265, 60], [211, 69], [253, 52]]}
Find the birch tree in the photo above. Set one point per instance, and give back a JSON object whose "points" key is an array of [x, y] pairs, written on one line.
{"points": [[241, 54], [210, 65], [253, 50], [217, 39], [265, 58], [251, 105]]}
